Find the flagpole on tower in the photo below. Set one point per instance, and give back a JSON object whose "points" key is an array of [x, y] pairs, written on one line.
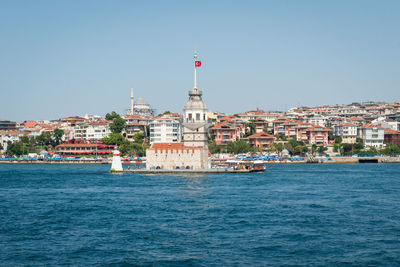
{"points": [[195, 71]]}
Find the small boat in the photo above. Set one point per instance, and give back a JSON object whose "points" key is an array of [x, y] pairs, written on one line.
{"points": [[258, 166]]}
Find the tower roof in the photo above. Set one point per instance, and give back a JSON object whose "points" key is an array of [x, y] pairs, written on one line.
{"points": [[195, 101]]}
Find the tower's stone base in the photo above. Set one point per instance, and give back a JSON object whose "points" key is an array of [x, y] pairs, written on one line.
{"points": [[170, 156]]}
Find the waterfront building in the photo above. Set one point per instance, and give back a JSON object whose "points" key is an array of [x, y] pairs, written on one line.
{"points": [[226, 131], [392, 137], [9, 137], [193, 152], [166, 129], [135, 124], [261, 140], [289, 128], [83, 147], [371, 135], [347, 131], [278, 125], [317, 135], [95, 130], [301, 131]]}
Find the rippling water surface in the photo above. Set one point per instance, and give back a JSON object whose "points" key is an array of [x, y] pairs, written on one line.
{"points": [[290, 215]]}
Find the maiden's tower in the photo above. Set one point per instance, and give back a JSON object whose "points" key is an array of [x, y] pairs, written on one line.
{"points": [[192, 153]]}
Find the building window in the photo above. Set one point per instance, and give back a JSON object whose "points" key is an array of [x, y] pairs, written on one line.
{"points": [[190, 116], [197, 116]]}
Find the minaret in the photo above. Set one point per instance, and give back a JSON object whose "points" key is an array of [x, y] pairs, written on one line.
{"points": [[131, 101]]}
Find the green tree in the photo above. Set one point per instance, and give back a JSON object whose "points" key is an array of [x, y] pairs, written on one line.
{"points": [[15, 149], [132, 149], [164, 113], [338, 140], [277, 147], [117, 125], [213, 147], [1, 147], [114, 139], [338, 148], [58, 134], [314, 148], [44, 139], [250, 129], [391, 150], [138, 137], [322, 149], [111, 116], [238, 147]]}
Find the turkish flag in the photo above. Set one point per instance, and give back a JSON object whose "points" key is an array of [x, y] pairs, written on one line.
{"points": [[197, 63]]}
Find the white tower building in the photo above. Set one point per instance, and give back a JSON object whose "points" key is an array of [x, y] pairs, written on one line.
{"points": [[195, 125], [193, 152]]}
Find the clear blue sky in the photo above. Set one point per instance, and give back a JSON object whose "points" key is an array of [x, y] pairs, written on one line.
{"points": [[61, 58]]}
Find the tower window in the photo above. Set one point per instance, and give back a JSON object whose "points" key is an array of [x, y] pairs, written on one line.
{"points": [[190, 116], [197, 116]]}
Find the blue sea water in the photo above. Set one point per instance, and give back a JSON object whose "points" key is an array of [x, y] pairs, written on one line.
{"points": [[320, 215]]}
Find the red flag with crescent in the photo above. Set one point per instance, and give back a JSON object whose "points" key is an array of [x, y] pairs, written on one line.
{"points": [[197, 63]]}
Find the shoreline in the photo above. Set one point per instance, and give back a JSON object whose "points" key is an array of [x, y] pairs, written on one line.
{"points": [[344, 160]]}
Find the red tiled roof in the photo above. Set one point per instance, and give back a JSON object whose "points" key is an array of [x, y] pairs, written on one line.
{"points": [[261, 135], [30, 124], [356, 119], [391, 131], [370, 126]]}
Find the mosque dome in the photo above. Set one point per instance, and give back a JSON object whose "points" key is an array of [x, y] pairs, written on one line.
{"points": [[140, 102]]}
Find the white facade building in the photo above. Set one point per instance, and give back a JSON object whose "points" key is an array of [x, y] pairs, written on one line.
{"points": [[347, 131], [166, 129], [91, 131], [372, 135]]}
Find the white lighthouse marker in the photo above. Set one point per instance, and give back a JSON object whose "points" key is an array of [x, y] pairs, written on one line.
{"points": [[116, 165]]}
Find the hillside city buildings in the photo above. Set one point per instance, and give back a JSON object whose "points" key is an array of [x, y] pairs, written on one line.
{"points": [[374, 123]]}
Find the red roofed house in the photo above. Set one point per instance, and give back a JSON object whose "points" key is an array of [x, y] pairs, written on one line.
{"points": [[261, 124], [278, 125], [261, 139], [30, 124], [225, 132], [301, 131], [392, 137], [289, 128], [317, 135]]}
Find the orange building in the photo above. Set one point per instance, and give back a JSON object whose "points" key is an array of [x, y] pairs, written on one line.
{"points": [[261, 139], [317, 135], [225, 132]]}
